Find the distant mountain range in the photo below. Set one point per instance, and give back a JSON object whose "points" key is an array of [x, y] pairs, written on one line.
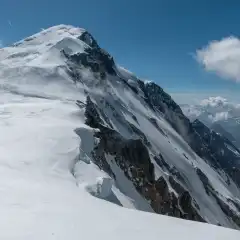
{"points": [[218, 114]]}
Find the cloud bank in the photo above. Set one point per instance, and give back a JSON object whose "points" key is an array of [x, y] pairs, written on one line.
{"points": [[214, 102], [219, 116], [212, 109], [222, 57]]}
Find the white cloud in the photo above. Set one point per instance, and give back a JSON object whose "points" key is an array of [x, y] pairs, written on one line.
{"points": [[214, 102], [212, 109], [196, 97], [222, 57], [219, 116]]}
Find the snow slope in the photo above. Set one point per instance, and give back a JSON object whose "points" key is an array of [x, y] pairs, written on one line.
{"points": [[50, 186], [40, 198]]}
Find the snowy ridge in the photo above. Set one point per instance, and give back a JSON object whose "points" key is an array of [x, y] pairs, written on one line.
{"points": [[83, 140]]}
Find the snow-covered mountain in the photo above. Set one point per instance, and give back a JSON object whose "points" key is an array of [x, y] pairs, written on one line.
{"points": [[84, 143]]}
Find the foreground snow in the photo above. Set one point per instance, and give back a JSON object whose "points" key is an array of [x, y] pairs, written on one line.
{"points": [[41, 199]]}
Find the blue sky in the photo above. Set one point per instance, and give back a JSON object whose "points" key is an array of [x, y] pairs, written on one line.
{"points": [[156, 39]]}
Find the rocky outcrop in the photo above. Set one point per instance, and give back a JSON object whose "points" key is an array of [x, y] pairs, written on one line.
{"points": [[224, 154], [93, 118], [97, 58], [157, 98], [190, 212], [132, 156], [232, 215], [88, 39], [206, 184], [176, 185], [168, 168], [94, 58]]}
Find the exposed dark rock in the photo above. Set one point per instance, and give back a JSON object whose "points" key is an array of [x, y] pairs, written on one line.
{"points": [[94, 57], [93, 118], [154, 122], [162, 187], [140, 134], [133, 158], [137, 155], [234, 173], [157, 97], [176, 185], [135, 119], [206, 184], [227, 210], [74, 74], [88, 39], [80, 104], [219, 129], [225, 207], [235, 203], [185, 201], [99, 157], [93, 113], [222, 151], [162, 163], [160, 101], [170, 169]]}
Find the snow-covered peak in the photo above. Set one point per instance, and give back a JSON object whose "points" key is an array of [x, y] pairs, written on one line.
{"points": [[51, 35], [80, 133], [44, 47]]}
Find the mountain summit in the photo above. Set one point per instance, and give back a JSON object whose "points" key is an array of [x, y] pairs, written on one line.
{"points": [[82, 136]]}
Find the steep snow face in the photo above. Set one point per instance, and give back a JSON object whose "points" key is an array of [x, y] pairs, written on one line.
{"points": [[81, 137], [30, 50], [36, 65]]}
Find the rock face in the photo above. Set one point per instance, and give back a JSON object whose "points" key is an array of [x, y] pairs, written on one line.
{"points": [[216, 149], [216, 127], [132, 156], [224, 153], [174, 165], [94, 58]]}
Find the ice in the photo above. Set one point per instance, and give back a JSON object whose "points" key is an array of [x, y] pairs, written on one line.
{"points": [[104, 187]]}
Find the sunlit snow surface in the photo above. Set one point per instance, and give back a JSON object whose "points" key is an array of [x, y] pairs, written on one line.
{"points": [[50, 188], [40, 198]]}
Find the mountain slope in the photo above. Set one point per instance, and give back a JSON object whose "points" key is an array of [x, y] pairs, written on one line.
{"points": [[219, 129], [76, 124]]}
